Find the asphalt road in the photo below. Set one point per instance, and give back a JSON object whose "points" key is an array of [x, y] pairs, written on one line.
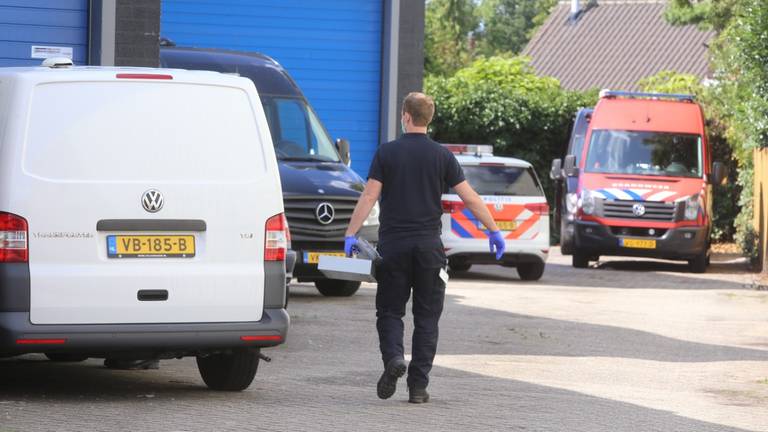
{"points": [[625, 346]]}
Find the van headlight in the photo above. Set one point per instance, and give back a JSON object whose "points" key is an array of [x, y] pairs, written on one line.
{"points": [[692, 207], [587, 202], [373, 216]]}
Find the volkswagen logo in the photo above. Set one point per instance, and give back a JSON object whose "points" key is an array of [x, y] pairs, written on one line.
{"points": [[152, 201], [638, 210], [325, 213]]}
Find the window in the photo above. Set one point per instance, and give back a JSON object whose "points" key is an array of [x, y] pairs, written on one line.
{"points": [[502, 180], [645, 153], [296, 131]]}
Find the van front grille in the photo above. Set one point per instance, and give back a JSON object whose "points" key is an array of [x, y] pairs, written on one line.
{"points": [[304, 225], [654, 211]]}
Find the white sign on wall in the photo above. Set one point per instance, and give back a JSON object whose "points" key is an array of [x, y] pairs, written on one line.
{"points": [[42, 51]]}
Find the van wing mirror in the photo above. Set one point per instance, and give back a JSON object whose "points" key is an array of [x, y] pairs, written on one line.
{"points": [[556, 172], [570, 166], [718, 174], [342, 146]]}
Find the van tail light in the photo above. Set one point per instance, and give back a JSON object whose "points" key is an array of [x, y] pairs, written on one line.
{"points": [[13, 238], [276, 238], [452, 206], [538, 208]]}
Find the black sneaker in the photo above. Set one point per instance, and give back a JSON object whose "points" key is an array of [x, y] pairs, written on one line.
{"points": [[418, 395], [388, 382]]}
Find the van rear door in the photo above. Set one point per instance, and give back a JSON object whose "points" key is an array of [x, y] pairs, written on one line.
{"points": [[147, 200]]}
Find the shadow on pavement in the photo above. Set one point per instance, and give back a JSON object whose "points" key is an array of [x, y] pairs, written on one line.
{"points": [[613, 274]]}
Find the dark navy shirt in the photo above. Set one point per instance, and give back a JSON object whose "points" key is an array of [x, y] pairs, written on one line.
{"points": [[415, 171]]}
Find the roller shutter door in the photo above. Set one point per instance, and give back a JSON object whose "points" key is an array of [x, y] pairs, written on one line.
{"points": [[332, 48], [44, 23]]}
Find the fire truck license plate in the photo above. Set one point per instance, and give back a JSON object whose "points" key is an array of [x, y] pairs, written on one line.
{"points": [[637, 243]]}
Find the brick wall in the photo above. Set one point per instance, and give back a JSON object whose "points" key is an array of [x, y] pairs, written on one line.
{"points": [[411, 48], [137, 30]]}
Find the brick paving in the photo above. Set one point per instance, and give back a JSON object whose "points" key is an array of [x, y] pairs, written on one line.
{"points": [[627, 346]]}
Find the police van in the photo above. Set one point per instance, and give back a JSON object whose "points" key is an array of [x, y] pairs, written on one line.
{"points": [[514, 196], [141, 217]]}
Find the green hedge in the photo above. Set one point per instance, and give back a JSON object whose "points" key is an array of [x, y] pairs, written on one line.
{"points": [[500, 101]]}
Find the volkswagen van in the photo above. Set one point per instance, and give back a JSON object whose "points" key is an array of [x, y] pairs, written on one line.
{"points": [[141, 217], [644, 180]]}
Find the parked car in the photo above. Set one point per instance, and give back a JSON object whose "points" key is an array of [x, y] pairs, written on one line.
{"points": [[319, 189], [565, 187], [515, 198], [644, 180], [141, 217]]}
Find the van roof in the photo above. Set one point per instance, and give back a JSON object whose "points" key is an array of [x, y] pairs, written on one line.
{"points": [[658, 115], [267, 74], [106, 73]]}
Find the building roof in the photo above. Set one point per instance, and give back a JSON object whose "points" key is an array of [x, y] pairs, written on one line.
{"points": [[613, 44]]}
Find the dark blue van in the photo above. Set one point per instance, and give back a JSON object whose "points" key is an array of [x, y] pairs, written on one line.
{"points": [[319, 189]]}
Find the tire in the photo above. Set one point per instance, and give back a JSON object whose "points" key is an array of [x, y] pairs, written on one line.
{"points": [[229, 371], [66, 357], [579, 260], [698, 264], [566, 242], [459, 266], [530, 271], [337, 288]]}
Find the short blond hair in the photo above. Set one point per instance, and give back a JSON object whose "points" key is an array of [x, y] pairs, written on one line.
{"points": [[420, 107]]}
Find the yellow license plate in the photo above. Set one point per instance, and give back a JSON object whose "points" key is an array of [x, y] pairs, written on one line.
{"points": [[150, 246], [638, 243], [314, 257], [503, 225]]}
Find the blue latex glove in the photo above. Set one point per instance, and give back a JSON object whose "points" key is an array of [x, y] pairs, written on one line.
{"points": [[497, 244], [350, 245]]}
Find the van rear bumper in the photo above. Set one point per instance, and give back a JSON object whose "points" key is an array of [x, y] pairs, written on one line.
{"points": [[161, 339], [676, 244]]}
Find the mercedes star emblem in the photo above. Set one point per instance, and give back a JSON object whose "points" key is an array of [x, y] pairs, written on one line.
{"points": [[325, 213], [152, 201]]}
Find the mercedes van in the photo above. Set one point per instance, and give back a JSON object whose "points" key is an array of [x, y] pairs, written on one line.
{"points": [[644, 180], [141, 217], [319, 189]]}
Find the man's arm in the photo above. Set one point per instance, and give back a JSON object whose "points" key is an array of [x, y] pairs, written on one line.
{"points": [[364, 206], [476, 205]]}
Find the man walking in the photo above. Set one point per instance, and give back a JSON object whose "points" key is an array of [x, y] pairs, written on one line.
{"points": [[410, 174]]}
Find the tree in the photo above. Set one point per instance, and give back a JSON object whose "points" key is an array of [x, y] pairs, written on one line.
{"points": [[448, 28], [507, 25]]}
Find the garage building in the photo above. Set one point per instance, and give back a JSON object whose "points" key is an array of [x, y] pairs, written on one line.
{"points": [[354, 59]]}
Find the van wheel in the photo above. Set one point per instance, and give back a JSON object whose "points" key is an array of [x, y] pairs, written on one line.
{"points": [[698, 264], [458, 265], [579, 260], [232, 371], [336, 288], [566, 241], [530, 271], [66, 357]]}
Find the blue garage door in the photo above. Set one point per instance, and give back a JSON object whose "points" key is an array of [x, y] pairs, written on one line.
{"points": [[332, 48], [42, 23]]}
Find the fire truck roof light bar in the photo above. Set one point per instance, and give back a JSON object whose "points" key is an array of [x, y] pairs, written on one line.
{"points": [[606, 93]]}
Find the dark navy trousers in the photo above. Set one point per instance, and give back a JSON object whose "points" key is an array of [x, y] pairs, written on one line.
{"points": [[410, 265]]}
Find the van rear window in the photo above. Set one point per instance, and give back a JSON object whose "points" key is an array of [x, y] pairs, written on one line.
{"points": [[135, 131], [502, 180]]}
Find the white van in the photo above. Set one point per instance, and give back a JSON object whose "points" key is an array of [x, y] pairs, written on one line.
{"points": [[141, 217]]}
